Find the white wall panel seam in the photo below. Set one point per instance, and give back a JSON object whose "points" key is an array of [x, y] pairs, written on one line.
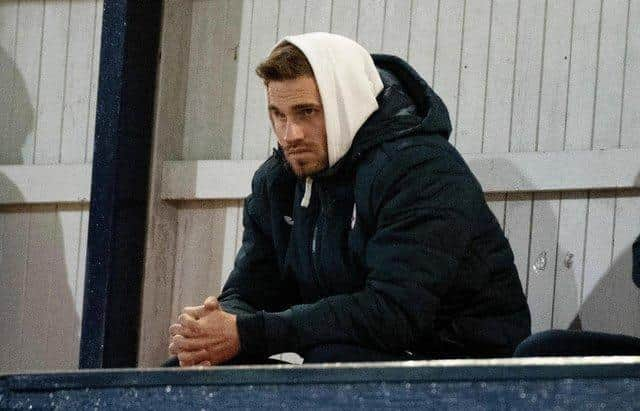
{"points": [[23, 291], [540, 80], [37, 102], [64, 83], [246, 95], [595, 85], [435, 46], [91, 127], [486, 79], [304, 15], [408, 47], [624, 75], [384, 21], [513, 76], [460, 64], [566, 113]]}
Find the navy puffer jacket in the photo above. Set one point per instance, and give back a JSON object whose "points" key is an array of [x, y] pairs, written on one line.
{"points": [[397, 251]]}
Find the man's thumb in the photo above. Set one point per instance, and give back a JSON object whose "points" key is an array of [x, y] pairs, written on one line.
{"points": [[211, 303]]}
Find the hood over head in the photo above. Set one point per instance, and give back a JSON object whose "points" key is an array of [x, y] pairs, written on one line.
{"points": [[348, 83], [367, 99]]}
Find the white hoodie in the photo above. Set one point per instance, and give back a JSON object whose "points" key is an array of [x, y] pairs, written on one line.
{"points": [[348, 82]]}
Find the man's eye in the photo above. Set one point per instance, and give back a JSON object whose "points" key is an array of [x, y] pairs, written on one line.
{"points": [[307, 112], [280, 116]]}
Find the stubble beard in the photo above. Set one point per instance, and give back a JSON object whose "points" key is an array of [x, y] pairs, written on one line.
{"points": [[304, 169]]}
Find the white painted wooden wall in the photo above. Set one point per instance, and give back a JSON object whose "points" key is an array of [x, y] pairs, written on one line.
{"points": [[49, 57], [516, 75]]}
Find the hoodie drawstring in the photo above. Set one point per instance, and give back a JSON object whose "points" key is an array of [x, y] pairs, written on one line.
{"points": [[306, 198]]}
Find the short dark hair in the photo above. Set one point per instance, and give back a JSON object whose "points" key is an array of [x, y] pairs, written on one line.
{"points": [[286, 62]]}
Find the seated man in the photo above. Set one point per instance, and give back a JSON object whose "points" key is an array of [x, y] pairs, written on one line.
{"points": [[366, 236]]}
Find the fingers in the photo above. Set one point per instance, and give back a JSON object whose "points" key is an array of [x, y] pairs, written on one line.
{"points": [[211, 303], [179, 343], [189, 358], [189, 322], [179, 329], [195, 312]]}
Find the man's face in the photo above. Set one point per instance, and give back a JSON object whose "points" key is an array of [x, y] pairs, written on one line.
{"points": [[295, 109]]}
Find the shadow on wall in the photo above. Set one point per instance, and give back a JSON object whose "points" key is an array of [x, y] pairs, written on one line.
{"points": [[613, 305], [39, 326]]}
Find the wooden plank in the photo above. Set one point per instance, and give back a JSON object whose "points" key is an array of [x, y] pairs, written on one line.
{"points": [[527, 76], [542, 259], [344, 18], [160, 247], [630, 129], [517, 222], [448, 53], [43, 253], [423, 36], [27, 59], [497, 173], [197, 260], [555, 70], [233, 219], [473, 76], [549, 137], [608, 98], [317, 16], [501, 63], [291, 18], [582, 77], [68, 183], [370, 24], [52, 82], [578, 134], [397, 25], [204, 137], [612, 303], [230, 221], [263, 36], [497, 107], [10, 141], [80, 274], [524, 121], [608, 106], [242, 81], [13, 264], [287, 21], [95, 68], [598, 253], [188, 180], [78, 85], [570, 260], [62, 344]]}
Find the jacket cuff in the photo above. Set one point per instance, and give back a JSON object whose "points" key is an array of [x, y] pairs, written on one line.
{"points": [[251, 333], [263, 334], [279, 332]]}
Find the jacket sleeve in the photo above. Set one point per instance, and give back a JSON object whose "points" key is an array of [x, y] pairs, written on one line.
{"points": [[422, 230], [256, 283]]}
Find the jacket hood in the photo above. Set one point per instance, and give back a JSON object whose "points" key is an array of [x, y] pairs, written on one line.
{"points": [[407, 103], [348, 83]]}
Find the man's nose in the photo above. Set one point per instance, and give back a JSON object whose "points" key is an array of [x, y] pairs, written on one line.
{"points": [[293, 132]]}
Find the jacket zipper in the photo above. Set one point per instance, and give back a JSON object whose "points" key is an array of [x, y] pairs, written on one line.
{"points": [[315, 242]]}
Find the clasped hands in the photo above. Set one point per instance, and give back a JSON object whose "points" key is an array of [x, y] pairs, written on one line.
{"points": [[204, 335]]}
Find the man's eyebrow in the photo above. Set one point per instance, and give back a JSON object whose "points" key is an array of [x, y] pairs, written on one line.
{"points": [[301, 106]]}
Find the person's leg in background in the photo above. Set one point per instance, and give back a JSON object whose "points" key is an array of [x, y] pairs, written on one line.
{"points": [[577, 343]]}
